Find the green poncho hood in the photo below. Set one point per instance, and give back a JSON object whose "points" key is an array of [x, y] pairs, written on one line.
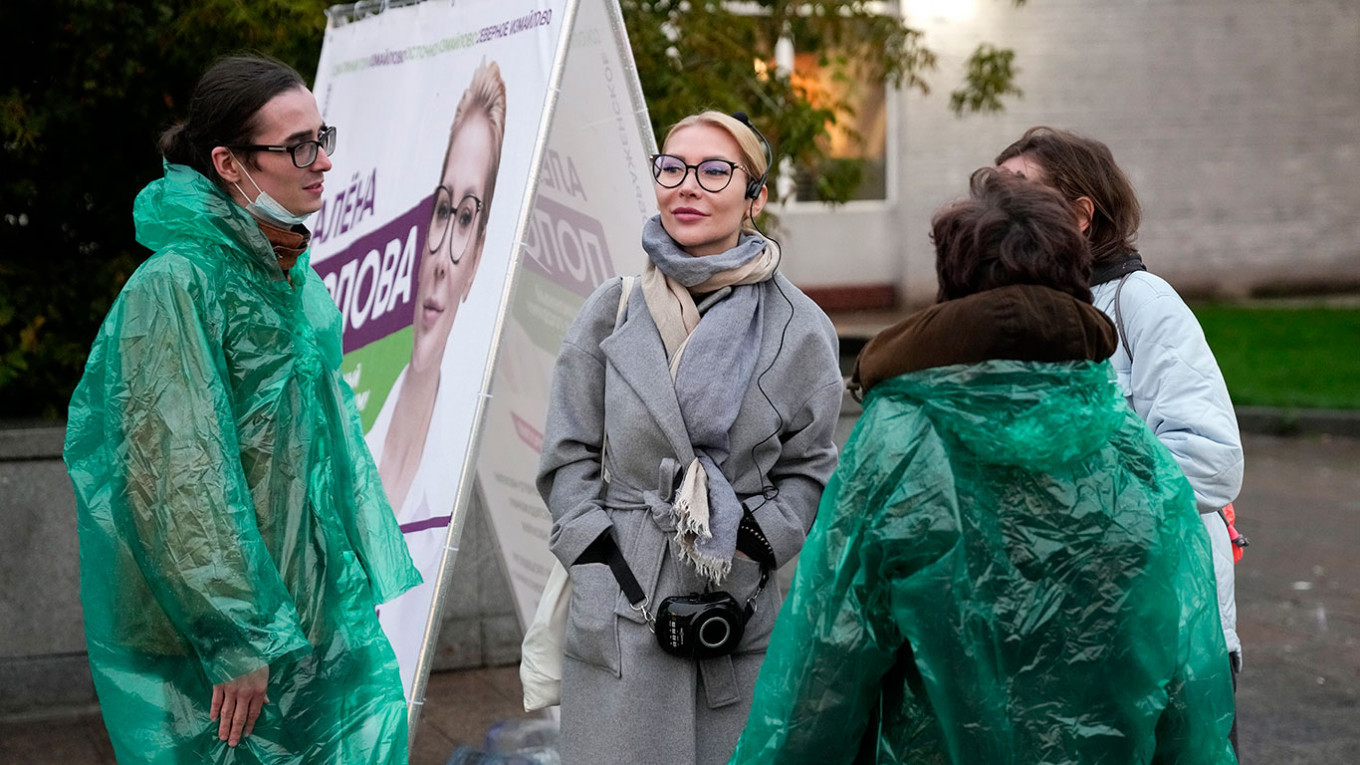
{"points": [[1032, 416], [1006, 567], [184, 207], [229, 513]]}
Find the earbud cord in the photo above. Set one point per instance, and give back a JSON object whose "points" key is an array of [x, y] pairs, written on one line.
{"points": [[769, 489]]}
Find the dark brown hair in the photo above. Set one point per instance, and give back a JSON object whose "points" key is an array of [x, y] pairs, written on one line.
{"points": [[1084, 167], [224, 109], [1010, 230]]}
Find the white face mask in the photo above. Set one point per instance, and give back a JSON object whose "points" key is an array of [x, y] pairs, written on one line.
{"points": [[267, 207]]}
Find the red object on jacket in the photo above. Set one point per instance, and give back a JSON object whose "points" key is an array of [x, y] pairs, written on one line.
{"points": [[1239, 542]]}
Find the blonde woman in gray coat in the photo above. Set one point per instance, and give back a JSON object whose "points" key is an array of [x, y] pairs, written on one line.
{"points": [[688, 440]]}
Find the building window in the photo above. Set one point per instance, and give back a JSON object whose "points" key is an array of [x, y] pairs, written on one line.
{"points": [[857, 142], [860, 131]]}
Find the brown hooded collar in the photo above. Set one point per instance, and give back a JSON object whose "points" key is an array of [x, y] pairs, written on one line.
{"points": [[1020, 322], [288, 243]]}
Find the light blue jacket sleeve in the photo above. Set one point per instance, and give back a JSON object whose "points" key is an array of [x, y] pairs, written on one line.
{"points": [[1174, 384]]}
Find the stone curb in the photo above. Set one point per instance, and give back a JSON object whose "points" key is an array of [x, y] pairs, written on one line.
{"points": [[1277, 421], [28, 443], [32, 443]]}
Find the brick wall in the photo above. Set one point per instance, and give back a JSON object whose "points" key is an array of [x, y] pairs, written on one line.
{"points": [[1237, 120]]}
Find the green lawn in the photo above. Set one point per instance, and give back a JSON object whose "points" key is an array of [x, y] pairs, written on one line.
{"points": [[1275, 355]]}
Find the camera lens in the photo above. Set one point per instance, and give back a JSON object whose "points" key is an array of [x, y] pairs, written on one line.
{"points": [[714, 632]]}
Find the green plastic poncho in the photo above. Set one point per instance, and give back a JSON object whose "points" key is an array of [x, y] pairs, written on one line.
{"points": [[230, 515], [1006, 568]]}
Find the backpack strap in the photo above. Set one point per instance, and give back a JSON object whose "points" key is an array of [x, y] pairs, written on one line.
{"points": [[1119, 318], [623, 299]]}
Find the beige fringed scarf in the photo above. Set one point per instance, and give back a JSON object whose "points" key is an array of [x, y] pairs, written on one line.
{"points": [[676, 316]]}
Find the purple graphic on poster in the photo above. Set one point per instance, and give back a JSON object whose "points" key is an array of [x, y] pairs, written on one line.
{"points": [[373, 280], [567, 246]]}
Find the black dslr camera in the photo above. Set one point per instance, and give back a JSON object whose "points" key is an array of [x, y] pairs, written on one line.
{"points": [[700, 626]]}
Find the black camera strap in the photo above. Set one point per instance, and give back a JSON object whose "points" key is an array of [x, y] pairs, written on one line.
{"points": [[613, 556], [605, 550], [750, 540], [627, 582], [751, 601]]}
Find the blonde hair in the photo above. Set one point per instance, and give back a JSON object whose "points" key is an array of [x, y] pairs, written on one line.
{"points": [[485, 95], [753, 159]]}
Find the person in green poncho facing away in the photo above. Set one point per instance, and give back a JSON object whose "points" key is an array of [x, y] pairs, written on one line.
{"points": [[234, 537], [1006, 567]]}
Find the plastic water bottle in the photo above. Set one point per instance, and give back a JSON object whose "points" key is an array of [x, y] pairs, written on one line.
{"points": [[514, 742], [514, 736], [467, 755]]}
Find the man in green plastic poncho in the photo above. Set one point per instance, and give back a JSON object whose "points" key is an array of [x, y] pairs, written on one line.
{"points": [[234, 537], [1007, 567]]}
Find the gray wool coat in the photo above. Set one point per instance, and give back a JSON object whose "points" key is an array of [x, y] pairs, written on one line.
{"points": [[624, 700]]}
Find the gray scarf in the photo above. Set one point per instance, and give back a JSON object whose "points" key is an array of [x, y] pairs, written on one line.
{"points": [[706, 509]]}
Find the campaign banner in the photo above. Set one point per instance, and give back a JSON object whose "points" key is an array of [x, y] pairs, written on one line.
{"points": [[439, 109], [593, 194]]}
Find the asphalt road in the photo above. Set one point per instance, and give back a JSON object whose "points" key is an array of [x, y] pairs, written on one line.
{"points": [[1298, 601]]}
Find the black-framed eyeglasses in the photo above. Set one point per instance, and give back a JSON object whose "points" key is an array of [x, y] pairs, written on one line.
{"points": [[304, 153], [713, 175], [455, 222]]}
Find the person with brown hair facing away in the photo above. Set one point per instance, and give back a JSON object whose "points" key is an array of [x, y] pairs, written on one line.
{"points": [[1006, 566], [234, 537]]}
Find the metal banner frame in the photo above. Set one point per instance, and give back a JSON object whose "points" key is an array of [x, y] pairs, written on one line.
{"points": [[467, 476], [550, 119], [604, 109]]}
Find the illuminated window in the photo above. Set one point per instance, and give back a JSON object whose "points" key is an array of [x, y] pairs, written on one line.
{"points": [[860, 131], [856, 147]]}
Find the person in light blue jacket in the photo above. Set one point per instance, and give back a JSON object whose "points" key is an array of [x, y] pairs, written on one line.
{"points": [[1163, 364]]}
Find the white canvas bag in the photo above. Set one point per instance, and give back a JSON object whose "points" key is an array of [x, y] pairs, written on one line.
{"points": [[540, 665]]}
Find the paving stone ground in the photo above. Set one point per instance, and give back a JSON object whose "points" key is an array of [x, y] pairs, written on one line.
{"points": [[1299, 618]]}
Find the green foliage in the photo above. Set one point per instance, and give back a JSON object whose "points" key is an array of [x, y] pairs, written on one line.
{"points": [[1288, 356], [701, 54], [88, 85], [990, 76]]}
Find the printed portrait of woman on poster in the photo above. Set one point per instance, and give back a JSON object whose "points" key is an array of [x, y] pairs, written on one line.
{"points": [[408, 437]]}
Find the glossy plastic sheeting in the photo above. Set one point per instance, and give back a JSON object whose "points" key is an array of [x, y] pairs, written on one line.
{"points": [[230, 515], [1006, 568]]}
